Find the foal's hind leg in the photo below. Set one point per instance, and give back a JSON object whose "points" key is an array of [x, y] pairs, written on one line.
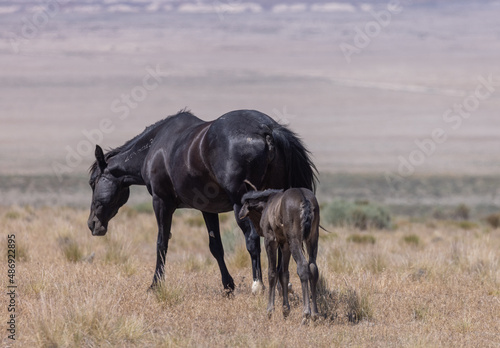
{"points": [[313, 282], [312, 250], [216, 248], [303, 272], [284, 276]]}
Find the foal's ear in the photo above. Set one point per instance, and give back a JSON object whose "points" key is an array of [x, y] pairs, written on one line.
{"points": [[99, 156], [243, 211]]}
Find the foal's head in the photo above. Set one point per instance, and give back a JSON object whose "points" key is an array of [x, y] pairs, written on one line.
{"points": [[255, 201]]}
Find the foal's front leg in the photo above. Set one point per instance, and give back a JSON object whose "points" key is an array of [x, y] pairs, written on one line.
{"points": [[271, 246], [284, 276]]}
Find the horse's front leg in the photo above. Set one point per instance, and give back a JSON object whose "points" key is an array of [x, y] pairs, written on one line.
{"points": [[217, 250], [163, 214], [252, 240]]}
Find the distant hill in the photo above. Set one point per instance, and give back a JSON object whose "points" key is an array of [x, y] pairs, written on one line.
{"points": [[202, 6]]}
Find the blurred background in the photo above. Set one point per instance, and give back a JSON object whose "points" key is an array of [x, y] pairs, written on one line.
{"points": [[397, 100]]}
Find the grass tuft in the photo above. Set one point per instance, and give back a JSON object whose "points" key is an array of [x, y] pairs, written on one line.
{"points": [[144, 208], [169, 294], [493, 220], [361, 239], [195, 220], [361, 215], [240, 259], [70, 248], [358, 306], [412, 239]]}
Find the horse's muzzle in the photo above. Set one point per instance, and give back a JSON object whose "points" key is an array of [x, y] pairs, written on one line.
{"points": [[97, 228]]}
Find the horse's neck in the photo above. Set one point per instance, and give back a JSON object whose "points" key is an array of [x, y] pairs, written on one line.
{"points": [[130, 161]]}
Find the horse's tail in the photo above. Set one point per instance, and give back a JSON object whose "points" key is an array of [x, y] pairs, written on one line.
{"points": [[298, 164]]}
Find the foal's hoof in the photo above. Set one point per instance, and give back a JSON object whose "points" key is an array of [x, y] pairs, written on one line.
{"points": [[307, 315], [153, 287], [270, 313], [286, 311]]}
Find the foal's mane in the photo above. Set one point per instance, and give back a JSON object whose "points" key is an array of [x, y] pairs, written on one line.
{"points": [[258, 195], [130, 143]]}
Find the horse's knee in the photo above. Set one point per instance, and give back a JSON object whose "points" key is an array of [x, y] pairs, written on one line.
{"points": [[253, 244]]}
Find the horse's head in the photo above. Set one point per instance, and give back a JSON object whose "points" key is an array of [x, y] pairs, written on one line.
{"points": [[109, 193]]}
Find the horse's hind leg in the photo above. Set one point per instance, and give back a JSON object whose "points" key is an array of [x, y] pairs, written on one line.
{"points": [[216, 248]]}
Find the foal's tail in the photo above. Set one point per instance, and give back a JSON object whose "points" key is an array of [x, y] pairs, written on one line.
{"points": [[299, 166], [306, 218]]}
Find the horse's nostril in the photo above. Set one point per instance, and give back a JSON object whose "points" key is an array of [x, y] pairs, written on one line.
{"points": [[91, 225]]}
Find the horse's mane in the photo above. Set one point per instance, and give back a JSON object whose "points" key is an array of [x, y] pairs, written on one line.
{"points": [[130, 143]]}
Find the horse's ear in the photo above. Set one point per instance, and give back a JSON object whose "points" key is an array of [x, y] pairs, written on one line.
{"points": [[249, 186], [99, 156]]}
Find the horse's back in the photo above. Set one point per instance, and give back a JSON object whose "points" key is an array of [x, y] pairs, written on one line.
{"points": [[243, 121], [237, 148]]}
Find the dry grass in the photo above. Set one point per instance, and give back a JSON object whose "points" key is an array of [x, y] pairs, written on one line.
{"points": [[76, 290]]}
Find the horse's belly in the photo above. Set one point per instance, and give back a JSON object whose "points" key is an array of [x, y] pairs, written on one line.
{"points": [[210, 198]]}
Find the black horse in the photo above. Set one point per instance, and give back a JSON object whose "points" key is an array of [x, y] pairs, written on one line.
{"points": [[189, 163]]}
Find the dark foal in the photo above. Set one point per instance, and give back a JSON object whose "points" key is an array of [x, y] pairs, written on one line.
{"points": [[288, 220]]}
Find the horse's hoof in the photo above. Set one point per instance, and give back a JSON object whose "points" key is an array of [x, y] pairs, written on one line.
{"points": [[257, 287], [228, 292], [286, 311]]}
